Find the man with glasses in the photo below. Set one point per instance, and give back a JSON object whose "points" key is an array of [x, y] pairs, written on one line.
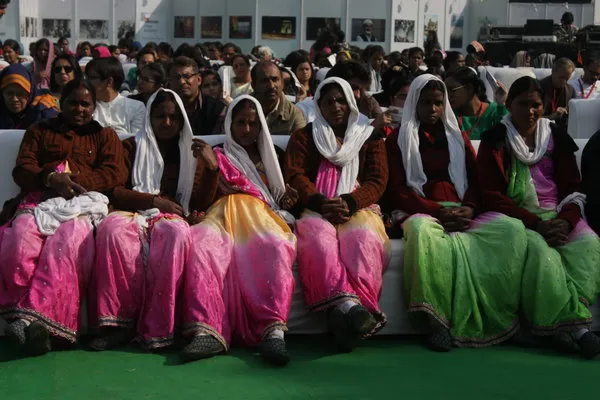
{"points": [[125, 116], [206, 114], [588, 87]]}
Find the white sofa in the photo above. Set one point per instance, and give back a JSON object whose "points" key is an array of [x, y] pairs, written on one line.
{"points": [[301, 321]]}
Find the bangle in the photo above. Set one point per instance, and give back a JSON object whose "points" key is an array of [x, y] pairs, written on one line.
{"points": [[47, 180]]}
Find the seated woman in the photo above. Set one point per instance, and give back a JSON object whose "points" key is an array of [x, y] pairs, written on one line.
{"points": [[150, 78], [20, 106], [299, 64], [41, 67], [239, 279], [65, 68], [11, 51], [136, 287], [47, 248], [339, 167], [461, 271], [475, 113], [527, 170], [212, 85]]}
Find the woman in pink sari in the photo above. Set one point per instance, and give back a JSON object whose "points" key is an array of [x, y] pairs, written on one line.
{"points": [[339, 167], [47, 247], [42, 64], [143, 248], [239, 279]]}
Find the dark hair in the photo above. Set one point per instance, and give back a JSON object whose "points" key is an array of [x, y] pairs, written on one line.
{"points": [[591, 56], [567, 18], [72, 62], [241, 105], [262, 64], [394, 58], [371, 51], [211, 72], [522, 85], [157, 72], [151, 45], [62, 38], [112, 48], [466, 76], [106, 68], [82, 44], [196, 54], [434, 84], [451, 57], [349, 70], [297, 58], [235, 47], [165, 48], [243, 57], [181, 50], [326, 89], [13, 44], [39, 43], [143, 52], [125, 43], [183, 62], [163, 96], [415, 50], [74, 85], [392, 81]]}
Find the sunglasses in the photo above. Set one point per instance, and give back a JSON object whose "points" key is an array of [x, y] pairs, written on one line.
{"points": [[67, 69]]}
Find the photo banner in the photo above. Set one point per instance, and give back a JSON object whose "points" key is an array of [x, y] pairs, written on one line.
{"points": [[151, 21]]}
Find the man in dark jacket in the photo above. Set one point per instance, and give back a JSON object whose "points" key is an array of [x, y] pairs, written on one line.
{"points": [[206, 114], [557, 92]]}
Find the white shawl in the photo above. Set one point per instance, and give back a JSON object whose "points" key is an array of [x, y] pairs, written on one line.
{"points": [[240, 159], [518, 145], [149, 165], [408, 141], [521, 151], [357, 133]]}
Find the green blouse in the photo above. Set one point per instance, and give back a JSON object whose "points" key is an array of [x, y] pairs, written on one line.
{"points": [[491, 117]]}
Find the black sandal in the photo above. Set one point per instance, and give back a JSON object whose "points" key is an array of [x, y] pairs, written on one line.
{"points": [[201, 347]]}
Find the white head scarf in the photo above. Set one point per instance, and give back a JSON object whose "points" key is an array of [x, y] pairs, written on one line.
{"points": [[240, 159], [149, 165], [408, 141], [357, 133]]}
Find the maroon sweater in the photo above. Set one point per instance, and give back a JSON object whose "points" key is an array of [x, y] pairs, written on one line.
{"points": [[435, 157], [494, 160], [302, 160], [203, 193]]}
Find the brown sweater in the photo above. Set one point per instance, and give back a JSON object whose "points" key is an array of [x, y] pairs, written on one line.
{"points": [[203, 193], [302, 160], [94, 154]]}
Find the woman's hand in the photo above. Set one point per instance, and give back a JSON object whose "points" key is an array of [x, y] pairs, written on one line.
{"points": [[204, 152], [167, 206], [555, 231], [456, 219], [289, 199], [196, 217], [64, 186], [336, 211], [382, 121]]}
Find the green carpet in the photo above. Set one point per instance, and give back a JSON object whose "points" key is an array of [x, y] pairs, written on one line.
{"points": [[383, 368]]}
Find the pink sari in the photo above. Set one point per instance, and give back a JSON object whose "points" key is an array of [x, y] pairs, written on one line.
{"points": [[44, 278], [344, 262], [239, 281], [138, 275]]}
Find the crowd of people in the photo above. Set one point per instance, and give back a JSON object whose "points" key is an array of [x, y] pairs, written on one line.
{"points": [[167, 237]]}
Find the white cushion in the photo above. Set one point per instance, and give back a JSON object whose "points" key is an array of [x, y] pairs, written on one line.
{"points": [[584, 118]]}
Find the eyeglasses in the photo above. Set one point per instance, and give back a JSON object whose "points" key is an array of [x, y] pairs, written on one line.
{"points": [[178, 77], [68, 69], [454, 89], [145, 79]]}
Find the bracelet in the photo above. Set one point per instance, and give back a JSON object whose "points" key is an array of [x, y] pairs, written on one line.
{"points": [[47, 180]]}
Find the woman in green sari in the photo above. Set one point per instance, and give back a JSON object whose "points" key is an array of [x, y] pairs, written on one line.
{"points": [[527, 170], [475, 114]]}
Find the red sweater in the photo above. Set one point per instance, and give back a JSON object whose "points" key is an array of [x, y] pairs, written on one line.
{"points": [[493, 162], [439, 187]]}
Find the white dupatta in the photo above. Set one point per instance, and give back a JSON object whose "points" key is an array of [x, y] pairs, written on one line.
{"points": [[408, 141], [240, 159], [149, 165], [357, 133]]}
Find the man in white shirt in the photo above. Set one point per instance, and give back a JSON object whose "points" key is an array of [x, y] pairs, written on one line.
{"points": [[125, 116], [588, 87]]}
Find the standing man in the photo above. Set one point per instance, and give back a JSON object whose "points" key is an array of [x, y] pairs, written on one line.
{"points": [[283, 117], [206, 114]]}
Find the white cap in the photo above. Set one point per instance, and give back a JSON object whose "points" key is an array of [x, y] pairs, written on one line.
{"points": [[367, 22]]}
